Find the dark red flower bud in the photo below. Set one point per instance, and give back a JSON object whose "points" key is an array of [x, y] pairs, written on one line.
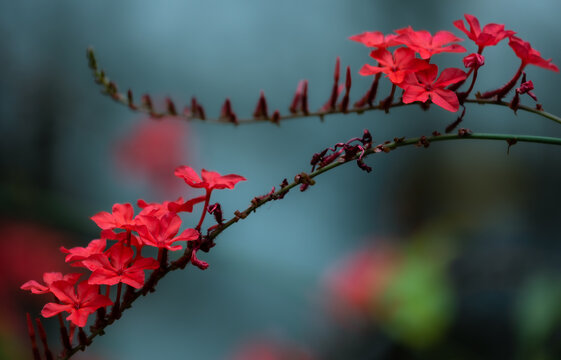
{"points": [[276, 117], [31, 332], [474, 60], [261, 111], [227, 113], [304, 98], [146, 101], [297, 97], [43, 337], [345, 102], [170, 106], [130, 100]]}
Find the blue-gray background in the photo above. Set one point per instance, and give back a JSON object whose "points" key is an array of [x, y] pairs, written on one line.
{"points": [[58, 168]]}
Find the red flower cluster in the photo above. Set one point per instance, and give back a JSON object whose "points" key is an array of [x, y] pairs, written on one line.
{"points": [[156, 225], [418, 76]]}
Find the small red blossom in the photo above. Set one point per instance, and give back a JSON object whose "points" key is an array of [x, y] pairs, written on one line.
{"points": [[427, 45], [529, 55], [161, 233], [491, 34], [376, 39], [48, 278], [79, 253], [117, 265], [122, 217], [395, 66], [78, 304], [125, 237], [158, 210], [423, 85], [210, 179]]}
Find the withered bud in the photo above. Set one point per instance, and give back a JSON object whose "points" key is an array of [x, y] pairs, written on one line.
{"points": [[130, 99], [423, 141], [345, 102], [370, 95], [510, 142], [31, 332], [43, 337], [216, 210], [227, 112], [83, 338], [436, 133], [297, 97], [201, 112], [261, 111], [92, 62], [275, 119], [170, 107], [464, 132], [363, 166], [304, 98], [332, 102], [474, 61], [146, 101], [240, 215], [515, 102], [366, 137]]}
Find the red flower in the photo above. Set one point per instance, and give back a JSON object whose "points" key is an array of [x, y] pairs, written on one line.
{"points": [[427, 45], [422, 85], [210, 179], [122, 217], [161, 233], [49, 278], [158, 210], [395, 67], [489, 36], [376, 39], [529, 55], [79, 305], [79, 253], [118, 266], [123, 237]]}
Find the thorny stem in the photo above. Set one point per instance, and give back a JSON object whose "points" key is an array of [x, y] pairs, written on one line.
{"points": [[110, 90], [185, 258]]}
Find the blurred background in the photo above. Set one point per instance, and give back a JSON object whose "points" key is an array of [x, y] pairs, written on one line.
{"points": [[450, 252]]}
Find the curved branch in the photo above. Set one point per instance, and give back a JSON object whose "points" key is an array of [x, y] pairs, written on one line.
{"points": [[180, 263], [109, 88]]}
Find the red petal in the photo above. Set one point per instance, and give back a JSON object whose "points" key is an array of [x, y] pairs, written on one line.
{"points": [[444, 37], [64, 291], [190, 176], [104, 276], [120, 255], [446, 99], [104, 220], [188, 235], [427, 76], [217, 181], [35, 287], [134, 278], [449, 76], [51, 309], [367, 70], [414, 93], [474, 24]]}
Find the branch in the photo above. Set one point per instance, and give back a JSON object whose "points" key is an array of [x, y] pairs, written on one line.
{"points": [[110, 89], [180, 263]]}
